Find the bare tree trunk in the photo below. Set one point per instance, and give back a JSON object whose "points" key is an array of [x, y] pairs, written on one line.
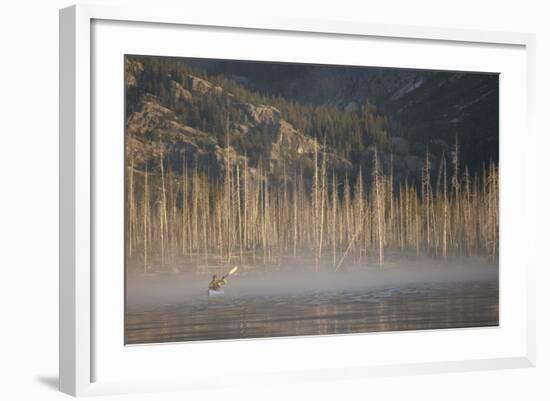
{"points": [[239, 216], [295, 214], [184, 206], [316, 204], [246, 205], [131, 206], [145, 219], [445, 210], [334, 207], [426, 197], [163, 214], [265, 219], [378, 179], [322, 206]]}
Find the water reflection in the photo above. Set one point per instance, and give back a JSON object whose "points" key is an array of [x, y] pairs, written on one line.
{"points": [[424, 306]]}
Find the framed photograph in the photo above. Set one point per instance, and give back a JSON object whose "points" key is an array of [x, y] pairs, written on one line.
{"points": [[274, 200]]}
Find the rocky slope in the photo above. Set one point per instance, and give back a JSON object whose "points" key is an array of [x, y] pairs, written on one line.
{"points": [[156, 131]]}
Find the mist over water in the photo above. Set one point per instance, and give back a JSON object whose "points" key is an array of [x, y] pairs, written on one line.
{"points": [[420, 294]]}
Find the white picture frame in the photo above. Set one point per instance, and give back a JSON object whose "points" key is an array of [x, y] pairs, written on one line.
{"points": [[78, 225]]}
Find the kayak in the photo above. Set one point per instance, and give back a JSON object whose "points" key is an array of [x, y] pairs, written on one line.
{"points": [[214, 293]]}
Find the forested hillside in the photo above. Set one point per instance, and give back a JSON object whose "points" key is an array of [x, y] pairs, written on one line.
{"points": [[431, 107], [218, 172], [228, 111]]}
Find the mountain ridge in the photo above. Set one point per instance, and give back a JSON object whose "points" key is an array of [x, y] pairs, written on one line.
{"points": [[205, 119]]}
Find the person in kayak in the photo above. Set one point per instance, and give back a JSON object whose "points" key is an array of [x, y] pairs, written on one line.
{"points": [[216, 283]]}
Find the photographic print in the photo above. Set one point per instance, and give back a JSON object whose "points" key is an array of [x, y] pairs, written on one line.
{"points": [[269, 199]]}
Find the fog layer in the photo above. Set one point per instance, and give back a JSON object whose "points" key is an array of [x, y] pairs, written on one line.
{"points": [[178, 288]]}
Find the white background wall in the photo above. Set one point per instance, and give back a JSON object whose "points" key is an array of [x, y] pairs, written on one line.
{"points": [[29, 200]]}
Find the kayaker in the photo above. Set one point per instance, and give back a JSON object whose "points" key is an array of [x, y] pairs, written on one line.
{"points": [[216, 284]]}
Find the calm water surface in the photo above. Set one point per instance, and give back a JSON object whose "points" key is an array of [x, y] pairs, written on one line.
{"points": [[408, 307]]}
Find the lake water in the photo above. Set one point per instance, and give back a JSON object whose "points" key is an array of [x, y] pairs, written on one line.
{"points": [[399, 307]]}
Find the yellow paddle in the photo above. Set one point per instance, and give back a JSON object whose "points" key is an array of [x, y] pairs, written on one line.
{"points": [[229, 273]]}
